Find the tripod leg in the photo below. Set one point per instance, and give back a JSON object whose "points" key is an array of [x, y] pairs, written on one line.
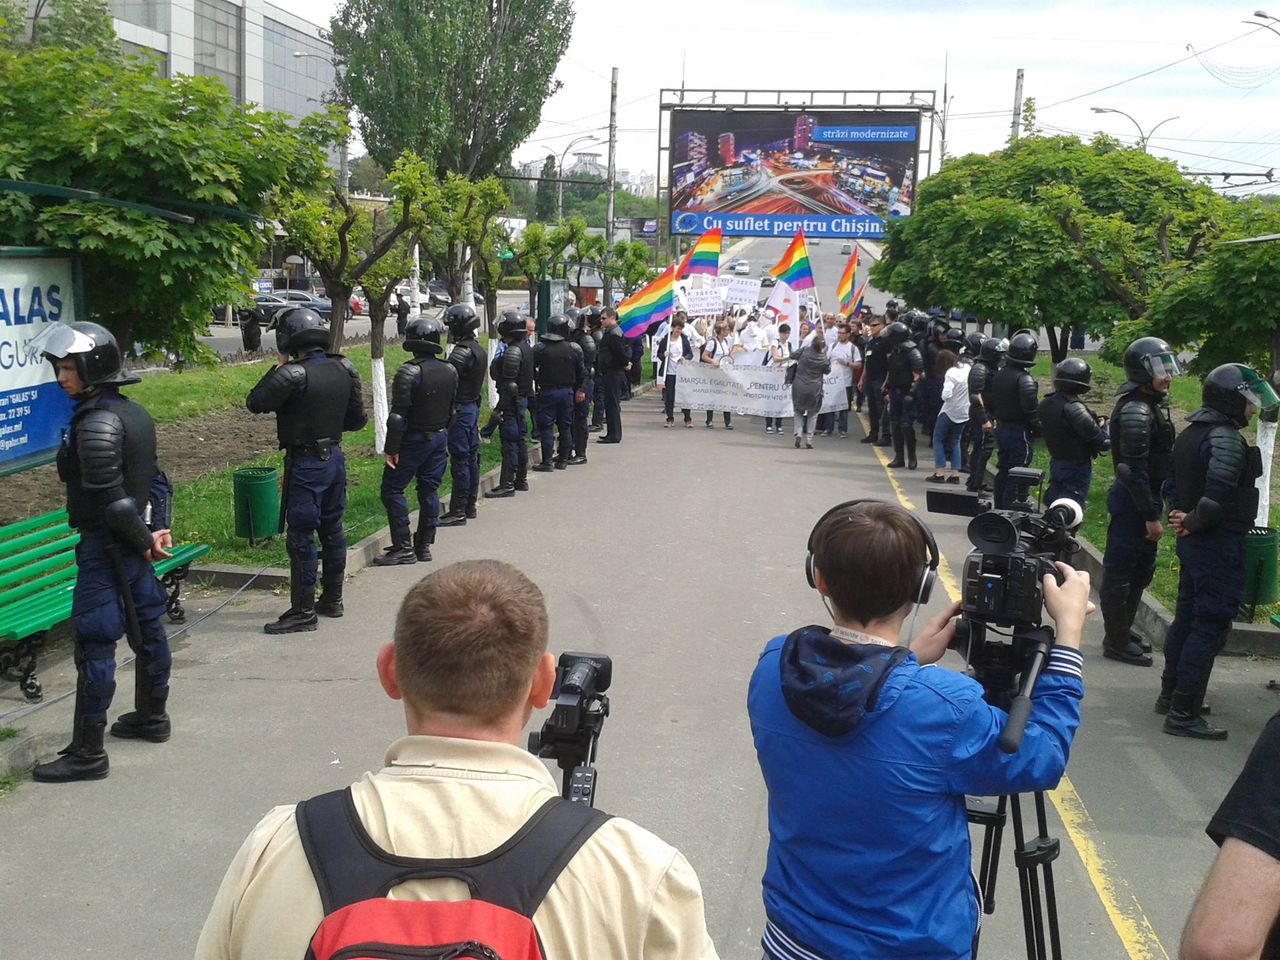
{"points": [[1030, 916], [1050, 895]]}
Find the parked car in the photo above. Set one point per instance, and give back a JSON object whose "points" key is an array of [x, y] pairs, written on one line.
{"points": [[740, 267], [300, 298], [358, 305]]}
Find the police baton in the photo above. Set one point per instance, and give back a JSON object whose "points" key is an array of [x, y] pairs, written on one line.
{"points": [[284, 491], [132, 629]]}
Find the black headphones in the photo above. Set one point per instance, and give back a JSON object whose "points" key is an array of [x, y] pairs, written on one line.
{"points": [[927, 577]]}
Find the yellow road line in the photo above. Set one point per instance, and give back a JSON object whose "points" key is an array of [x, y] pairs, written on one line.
{"points": [[1123, 910]]}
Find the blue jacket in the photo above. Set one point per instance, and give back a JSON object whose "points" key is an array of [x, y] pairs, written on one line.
{"points": [[867, 757]]}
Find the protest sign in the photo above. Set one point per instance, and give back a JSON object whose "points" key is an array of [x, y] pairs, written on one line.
{"points": [[704, 303], [750, 390]]}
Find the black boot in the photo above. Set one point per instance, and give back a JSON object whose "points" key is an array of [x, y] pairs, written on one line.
{"points": [[504, 487], [456, 515], [1184, 718], [869, 438], [898, 444], [401, 551], [1135, 601], [471, 505], [330, 602], [544, 467], [301, 615], [83, 758], [522, 479], [909, 435], [1116, 644], [1165, 698], [422, 541], [148, 721]]}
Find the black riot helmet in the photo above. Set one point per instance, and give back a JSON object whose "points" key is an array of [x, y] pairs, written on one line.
{"points": [[91, 346], [571, 314], [1022, 349], [896, 333], [1148, 359], [424, 336], [511, 323], [462, 321], [557, 328], [992, 351], [973, 344], [919, 323], [299, 329], [1072, 376], [953, 339], [1230, 389], [592, 313], [940, 327]]}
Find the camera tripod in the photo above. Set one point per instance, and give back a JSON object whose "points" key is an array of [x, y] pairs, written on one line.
{"points": [[1008, 673]]}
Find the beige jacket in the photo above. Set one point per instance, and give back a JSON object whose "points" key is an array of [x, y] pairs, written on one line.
{"points": [[625, 895]]}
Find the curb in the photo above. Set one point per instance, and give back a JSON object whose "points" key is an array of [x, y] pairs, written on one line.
{"points": [[19, 754]]}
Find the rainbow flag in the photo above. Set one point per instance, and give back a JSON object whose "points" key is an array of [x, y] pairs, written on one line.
{"points": [[844, 288], [703, 257], [856, 304], [647, 305], [793, 269]]}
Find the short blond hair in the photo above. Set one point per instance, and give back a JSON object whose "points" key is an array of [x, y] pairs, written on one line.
{"points": [[468, 637]]}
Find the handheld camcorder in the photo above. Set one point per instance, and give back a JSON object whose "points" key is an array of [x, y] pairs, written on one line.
{"points": [[572, 731], [1002, 586]]}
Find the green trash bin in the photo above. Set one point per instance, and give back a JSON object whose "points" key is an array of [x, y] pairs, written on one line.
{"points": [[1261, 552], [257, 502]]}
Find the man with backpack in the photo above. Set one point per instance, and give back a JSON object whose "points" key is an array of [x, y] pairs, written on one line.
{"points": [[470, 664]]}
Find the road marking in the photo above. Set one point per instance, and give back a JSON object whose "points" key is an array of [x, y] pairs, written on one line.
{"points": [[1122, 908]]}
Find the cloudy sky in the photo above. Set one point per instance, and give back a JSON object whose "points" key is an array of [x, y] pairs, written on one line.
{"points": [[1076, 55]]}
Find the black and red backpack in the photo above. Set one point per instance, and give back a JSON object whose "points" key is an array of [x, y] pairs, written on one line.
{"points": [[354, 876]]}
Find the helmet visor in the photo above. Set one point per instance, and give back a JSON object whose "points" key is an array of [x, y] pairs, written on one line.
{"points": [[60, 340], [1258, 392], [1161, 365]]}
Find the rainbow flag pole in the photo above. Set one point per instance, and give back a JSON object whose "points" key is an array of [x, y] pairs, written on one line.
{"points": [[703, 257], [844, 287], [857, 299], [794, 269], [648, 305]]}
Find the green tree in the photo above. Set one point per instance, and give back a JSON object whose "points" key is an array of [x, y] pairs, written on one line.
{"points": [[68, 24], [459, 82], [631, 265], [540, 247], [367, 176], [461, 222], [1050, 232], [183, 145], [544, 208]]}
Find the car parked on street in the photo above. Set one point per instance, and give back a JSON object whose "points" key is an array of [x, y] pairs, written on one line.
{"points": [[740, 267]]}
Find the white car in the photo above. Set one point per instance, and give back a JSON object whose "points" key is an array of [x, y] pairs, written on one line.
{"points": [[740, 267]]}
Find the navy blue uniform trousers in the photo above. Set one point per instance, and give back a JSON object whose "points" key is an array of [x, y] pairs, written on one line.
{"points": [[1211, 588], [422, 457], [464, 451], [555, 408], [314, 504]]}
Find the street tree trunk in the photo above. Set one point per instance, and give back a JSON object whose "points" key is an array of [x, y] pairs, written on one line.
{"points": [[1059, 340], [339, 293], [378, 372]]}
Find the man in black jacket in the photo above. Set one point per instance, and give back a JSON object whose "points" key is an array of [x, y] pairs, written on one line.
{"points": [[1072, 433], [905, 367], [1214, 501], [559, 371], [1014, 402], [316, 398], [422, 399], [615, 362], [1142, 450], [874, 368], [469, 358], [108, 462], [582, 336]]}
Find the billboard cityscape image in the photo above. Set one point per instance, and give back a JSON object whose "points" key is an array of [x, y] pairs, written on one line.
{"points": [[835, 173]]}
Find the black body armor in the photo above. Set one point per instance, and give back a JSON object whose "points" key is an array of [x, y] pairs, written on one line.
{"points": [[558, 363], [1220, 495], [1142, 439], [314, 400], [587, 342], [422, 398], [904, 362], [981, 374], [469, 359], [1013, 397], [108, 462], [1070, 431]]}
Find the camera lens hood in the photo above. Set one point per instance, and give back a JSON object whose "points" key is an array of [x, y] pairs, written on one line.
{"points": [[993, 533]]}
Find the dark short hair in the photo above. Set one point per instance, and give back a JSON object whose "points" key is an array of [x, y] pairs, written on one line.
{"points": [[872, 558], [608, 313], [946, 360], [784, 328]]}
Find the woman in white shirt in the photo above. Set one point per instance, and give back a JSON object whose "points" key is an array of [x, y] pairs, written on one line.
{"points": [[779, 356], [716, 351], [948, 429], [846, 359]]}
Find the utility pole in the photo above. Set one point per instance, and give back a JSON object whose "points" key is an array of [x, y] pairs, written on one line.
{"points": [[608, 209], [946, 62], [1017, 108]]}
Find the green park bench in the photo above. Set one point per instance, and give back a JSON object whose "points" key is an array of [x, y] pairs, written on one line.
{"points": [[37, 576]]}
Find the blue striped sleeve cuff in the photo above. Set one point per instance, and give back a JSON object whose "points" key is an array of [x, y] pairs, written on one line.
{"points": [[1067, 662]]}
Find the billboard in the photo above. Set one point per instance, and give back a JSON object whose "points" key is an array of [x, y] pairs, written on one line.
{"points": [[830, 172]]}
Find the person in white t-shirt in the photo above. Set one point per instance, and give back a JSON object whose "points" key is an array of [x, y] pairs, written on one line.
{"points": [[717, 350], [846, 360], [948, 429], [779, 356]]}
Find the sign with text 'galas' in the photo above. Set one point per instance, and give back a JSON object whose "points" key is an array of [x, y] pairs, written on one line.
{"points": [[34, 293]]}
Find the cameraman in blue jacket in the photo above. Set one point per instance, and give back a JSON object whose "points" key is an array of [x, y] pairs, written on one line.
{"points": [[868, 750]]}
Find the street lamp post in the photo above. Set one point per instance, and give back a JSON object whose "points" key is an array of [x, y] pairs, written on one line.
{"points": [[589, 138], [1143, 138], [343, 176], [1263, 15]]}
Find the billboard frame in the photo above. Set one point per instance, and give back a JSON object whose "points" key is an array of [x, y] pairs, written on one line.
{"points": [[719, 100]]}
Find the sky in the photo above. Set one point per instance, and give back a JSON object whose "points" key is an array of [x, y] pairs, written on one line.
{"points": [[1075, 55]]}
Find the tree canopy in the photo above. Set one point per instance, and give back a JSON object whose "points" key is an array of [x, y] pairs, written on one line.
{"points": [[459, 82]]}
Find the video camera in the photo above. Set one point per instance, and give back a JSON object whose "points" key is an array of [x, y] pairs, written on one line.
{"points": [[571, 732], [1002, 586]]}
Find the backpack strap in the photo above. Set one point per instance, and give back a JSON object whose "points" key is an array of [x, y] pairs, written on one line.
{"points": [[349, 867]]}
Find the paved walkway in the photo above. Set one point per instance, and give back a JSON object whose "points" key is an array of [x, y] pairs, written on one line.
{"points": [[679, 553]]}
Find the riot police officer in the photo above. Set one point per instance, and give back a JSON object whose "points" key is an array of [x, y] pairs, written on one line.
{"points": [[1014, 404], [1072, 433], [316, 398], [468, 357], [251, 321], [423, 394], [513, 374], [1142, 450], [905, 367], [1213, 501], [582, 401], [981, 421], [874, 368], [117, 499], [560, 373]]}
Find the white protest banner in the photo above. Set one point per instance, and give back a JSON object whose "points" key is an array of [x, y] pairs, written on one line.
{"points": [[743, 290], [704, 303], [754, 391]]}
